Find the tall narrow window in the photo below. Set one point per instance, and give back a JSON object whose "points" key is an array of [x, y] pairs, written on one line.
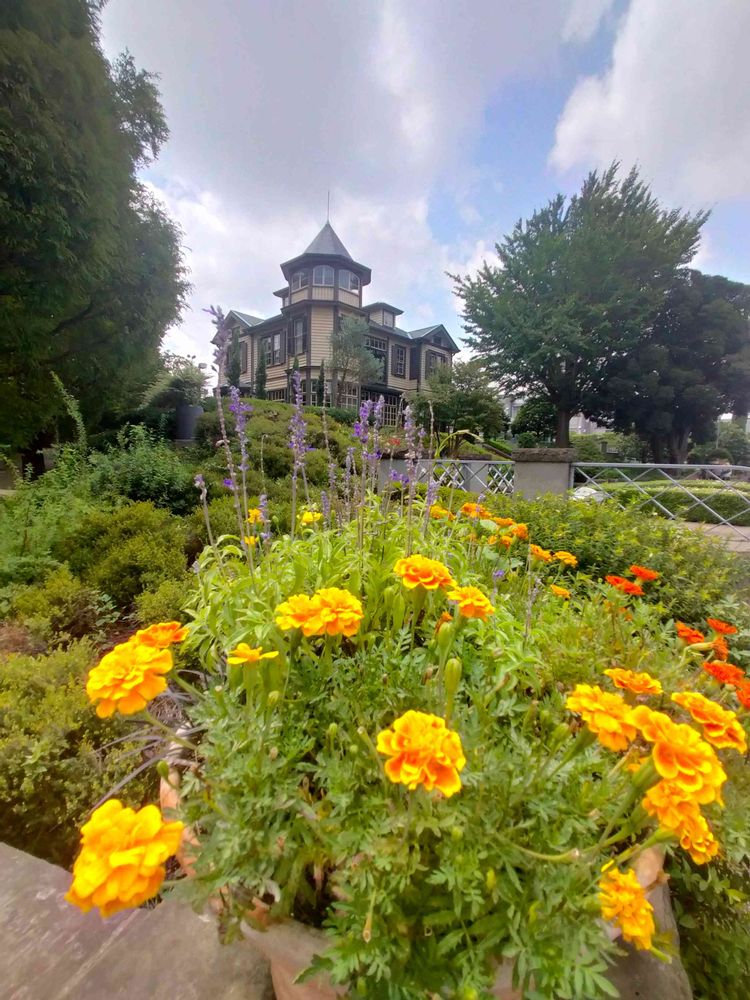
{"points": [[388, 318], [434, 361], [349, 280], [323, 275], [276, 349], [265, 349], [299, 280], [243, 357], [299, 336], [398, 361]]}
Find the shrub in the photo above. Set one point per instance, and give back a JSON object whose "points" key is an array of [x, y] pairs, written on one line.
{"points": [[731, 502], [55, 762], [527, 439], [62, 605], [142, 468], [126, 551], [165, 602]]}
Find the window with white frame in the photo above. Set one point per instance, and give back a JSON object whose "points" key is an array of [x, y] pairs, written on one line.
{"points": [[243, 357], [348, 394], [323, 275], [276, 359], [388, 318], [299, 280], [276, 395], [435, 361], [298, 343], [398, 361], [266, 350], [349, 280]]}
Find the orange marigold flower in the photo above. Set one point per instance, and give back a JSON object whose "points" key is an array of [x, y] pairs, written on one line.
{"points": [[503, 522], [725, 673], [537, 552], [720, 725], [161, 635], [520, 530], [681, 816], [560, 591], [245, 653], [295, 612], [122, 858], [720, 647], [505, 540], [255, 516], [680, 755], [422, 751], [743, 694], [723, 628], [472, 603], [419, 571], [690, 636], [441, 513], [476, 510], [605, 714], [623, 902], [566, 558], [628, 680], [644, 573], [127, 678], [624, 586], [335, 612]]}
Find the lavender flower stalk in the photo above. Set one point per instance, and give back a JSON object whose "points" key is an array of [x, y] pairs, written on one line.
{"points": [[241, 412]]}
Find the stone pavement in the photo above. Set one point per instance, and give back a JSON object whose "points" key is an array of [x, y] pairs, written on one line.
{"points": [[51, 951], [735, 539]]}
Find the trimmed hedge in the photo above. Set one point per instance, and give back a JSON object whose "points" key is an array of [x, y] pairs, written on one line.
{"points": [[731, 502]]}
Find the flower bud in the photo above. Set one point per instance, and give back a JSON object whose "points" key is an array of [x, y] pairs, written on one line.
{"points": [[273, 698], [445, 634], [453, 670], [162, 769], [560, 733], [273, 753], [490, 879], [457, 833], [333, 731]]}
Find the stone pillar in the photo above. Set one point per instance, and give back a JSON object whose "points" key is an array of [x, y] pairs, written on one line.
{"points": [[540, 471]]}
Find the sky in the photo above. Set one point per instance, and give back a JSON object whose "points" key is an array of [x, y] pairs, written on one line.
{"points": [[434, 124]]}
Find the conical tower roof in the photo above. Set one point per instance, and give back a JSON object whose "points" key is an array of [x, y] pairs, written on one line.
{"points": [[328, 243]]}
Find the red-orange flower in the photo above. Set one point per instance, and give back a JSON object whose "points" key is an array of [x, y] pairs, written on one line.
{"points": [[605, 714], [690, 636], [680, 755], [720, 725], [725, 673], [422, 751], [644, 573], [624, 586], [520, 530], [743, 694], [630, 681], [723, 628], [720, 648]]}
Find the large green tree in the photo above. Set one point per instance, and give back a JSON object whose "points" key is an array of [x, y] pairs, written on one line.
{"points": [[462, 398], [673, 386], [91, 274], [576, 288], [351, 360]]}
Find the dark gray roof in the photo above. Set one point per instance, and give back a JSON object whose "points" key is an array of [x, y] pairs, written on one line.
{"points": [[328, 243], [382, 305], [418, 334], [247, 318]]}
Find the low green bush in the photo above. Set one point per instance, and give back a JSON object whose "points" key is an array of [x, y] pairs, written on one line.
{"points": [[57, 759], [729, 502], [143, 468], [62, 606], [165, 602], [126, 551]]}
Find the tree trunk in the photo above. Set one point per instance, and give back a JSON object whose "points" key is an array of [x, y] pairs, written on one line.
{"points": [[32, 457], [334, 388], [562, 435], [679, 442]]}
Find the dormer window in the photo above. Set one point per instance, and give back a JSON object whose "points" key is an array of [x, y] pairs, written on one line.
{"points": [[323, 275], [388, 318], [299, 280], [349, 281]]}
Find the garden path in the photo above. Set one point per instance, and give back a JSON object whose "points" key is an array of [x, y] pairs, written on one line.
{"points": [[735, 539], [51, 951]]}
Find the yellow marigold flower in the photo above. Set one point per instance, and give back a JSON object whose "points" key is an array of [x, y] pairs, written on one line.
{"points": [[720, 725], [122, 857], [680, 755], [245, 653], [472, 603], [419, 571], [628, 680], [537, 552], [251, 540], [560, 591], [335, 612], [476, 510], [605, 714], [520, 530], [161, 635], [255, 516], [567, 558], [295, 612], [422, 751], [505, 540], [127, 678], [681, 816], [503, 522], [309, 517], [623, 902], [441, 513]]}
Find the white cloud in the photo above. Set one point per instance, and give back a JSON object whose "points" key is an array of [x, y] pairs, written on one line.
{"points": [[675, 100], [584, 18]]}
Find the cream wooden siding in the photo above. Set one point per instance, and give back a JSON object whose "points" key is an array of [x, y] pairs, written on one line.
{"points": [[322, 292], [396, 381], [377, 316], [351, 298], [300, 295], [285, 300], [321, 328]]}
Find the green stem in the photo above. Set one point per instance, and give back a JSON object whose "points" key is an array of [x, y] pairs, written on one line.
{"points": [[165, 729]]}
